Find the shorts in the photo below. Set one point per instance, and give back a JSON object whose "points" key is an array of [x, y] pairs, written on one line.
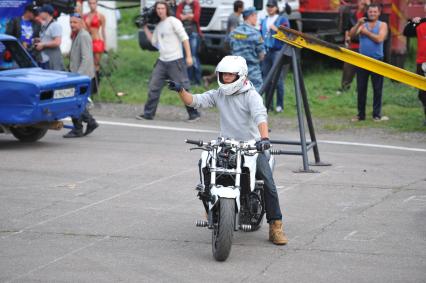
{"points": [[98, 46]]}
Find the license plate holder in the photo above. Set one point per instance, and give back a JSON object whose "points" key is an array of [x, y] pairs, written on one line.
{"points": [[63, 93]]}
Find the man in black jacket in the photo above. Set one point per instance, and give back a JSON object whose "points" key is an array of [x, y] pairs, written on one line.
{"points": [[26, 30]]}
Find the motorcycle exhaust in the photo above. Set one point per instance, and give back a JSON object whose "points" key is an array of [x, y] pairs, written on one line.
{"points": [[245, 227], [201, 223]]}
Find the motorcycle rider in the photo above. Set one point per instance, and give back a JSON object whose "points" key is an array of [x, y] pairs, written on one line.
{"points": [[242, 117]]}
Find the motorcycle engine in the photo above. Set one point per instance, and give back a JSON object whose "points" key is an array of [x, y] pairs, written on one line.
{"points": [[254, 204], [227, 159]]}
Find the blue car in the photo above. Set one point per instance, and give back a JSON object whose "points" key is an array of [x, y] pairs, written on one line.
{"points": [[33, 100]]}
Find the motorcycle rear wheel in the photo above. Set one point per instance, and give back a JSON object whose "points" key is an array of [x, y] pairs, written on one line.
{"points": [[223, 229]]}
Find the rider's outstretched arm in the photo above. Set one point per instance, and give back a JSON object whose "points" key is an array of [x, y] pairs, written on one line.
{"points": [[263, 130], [186, 97], [203, 100]]}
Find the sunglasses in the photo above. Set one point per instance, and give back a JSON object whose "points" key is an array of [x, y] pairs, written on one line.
{"points": [[75, 15]]}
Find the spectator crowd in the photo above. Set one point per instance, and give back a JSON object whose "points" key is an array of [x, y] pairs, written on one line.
{"points": [[178, 38]]}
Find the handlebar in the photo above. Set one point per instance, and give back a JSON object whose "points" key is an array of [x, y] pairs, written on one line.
{"points": [[197, 143], [238, 146]]}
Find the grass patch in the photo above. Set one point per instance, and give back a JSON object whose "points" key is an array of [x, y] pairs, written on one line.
{"points": [[131, 67]]}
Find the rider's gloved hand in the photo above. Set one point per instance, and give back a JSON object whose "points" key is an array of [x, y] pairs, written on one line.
{"points": [[174, 86], [263, 144]]}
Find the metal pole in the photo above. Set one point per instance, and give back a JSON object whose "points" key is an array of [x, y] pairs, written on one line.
{"points": [[308, 114], [299, 111], [314, 143]]}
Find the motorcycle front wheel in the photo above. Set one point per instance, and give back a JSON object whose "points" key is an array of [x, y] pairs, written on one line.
{"points": [[223, 229]]}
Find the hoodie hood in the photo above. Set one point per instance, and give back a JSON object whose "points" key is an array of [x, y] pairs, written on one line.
{"points": [[246, 87]]}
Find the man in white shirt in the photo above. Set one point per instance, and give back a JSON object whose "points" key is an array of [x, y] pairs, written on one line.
{"points": [[168, 37]]}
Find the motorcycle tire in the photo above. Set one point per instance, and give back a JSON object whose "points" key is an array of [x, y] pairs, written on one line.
{"points": [[223, 229], [28, 134]]}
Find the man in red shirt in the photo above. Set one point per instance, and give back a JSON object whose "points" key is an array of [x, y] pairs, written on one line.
{"points": [[417, 27]]}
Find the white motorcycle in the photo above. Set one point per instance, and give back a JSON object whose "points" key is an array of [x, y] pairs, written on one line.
{"points": [[231, 195]]}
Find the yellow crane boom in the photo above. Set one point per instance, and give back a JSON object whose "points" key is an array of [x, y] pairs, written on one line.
{"points": [[301, 40]]}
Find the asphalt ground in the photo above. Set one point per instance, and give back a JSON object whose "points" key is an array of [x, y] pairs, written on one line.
{"points": [[120, 206]]}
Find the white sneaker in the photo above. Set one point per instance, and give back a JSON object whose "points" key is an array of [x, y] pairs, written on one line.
{"points": [[379, 119], [279, 109]]}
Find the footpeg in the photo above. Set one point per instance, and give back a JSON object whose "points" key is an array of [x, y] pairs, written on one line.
{"points": [[200, 188], [201, 223], [259, 184], [245, 227]]}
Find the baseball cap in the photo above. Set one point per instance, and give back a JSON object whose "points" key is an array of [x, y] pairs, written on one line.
{"points": [[247, 12], [272, 3], [29, 8], [47, 8]]}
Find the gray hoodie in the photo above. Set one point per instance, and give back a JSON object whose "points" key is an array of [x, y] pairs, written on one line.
{"points": [[240, 113]]}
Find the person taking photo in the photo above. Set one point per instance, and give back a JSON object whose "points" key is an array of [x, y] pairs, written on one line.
{"points": [[168, 37]]}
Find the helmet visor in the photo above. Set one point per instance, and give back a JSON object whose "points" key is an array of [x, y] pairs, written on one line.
{"points": [[228, 78]]}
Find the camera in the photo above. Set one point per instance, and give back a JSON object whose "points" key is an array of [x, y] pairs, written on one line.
{"points": [[147, 16], [32, 47], [60, 6]]}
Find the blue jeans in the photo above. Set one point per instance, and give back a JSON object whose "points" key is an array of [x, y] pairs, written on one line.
{"points": [[362, 76], [172, 70], [194, 72], [267, 64], [272, 203], [44, 65]]}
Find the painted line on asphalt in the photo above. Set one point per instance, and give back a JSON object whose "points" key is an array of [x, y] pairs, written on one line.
{"points": [[346, 238], [307, 180], [410, 198], [374, 145], [153, 127], [106, 174], [363, 237], [40, 267], [416, 198], [136, 188], [179, 129]]}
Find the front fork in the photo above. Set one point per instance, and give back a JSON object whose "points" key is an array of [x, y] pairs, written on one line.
{"points": [[215, 195]]}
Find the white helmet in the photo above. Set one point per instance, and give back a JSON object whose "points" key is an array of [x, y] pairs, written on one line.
{"points": [[232, 64]]}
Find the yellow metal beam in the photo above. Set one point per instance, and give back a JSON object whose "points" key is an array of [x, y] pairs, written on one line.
{"points": [[302, 40]]}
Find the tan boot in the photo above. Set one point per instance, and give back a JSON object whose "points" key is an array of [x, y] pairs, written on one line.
{"points": [[276, 233]]}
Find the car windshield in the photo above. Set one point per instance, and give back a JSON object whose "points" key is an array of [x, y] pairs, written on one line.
{"points": [[13, 56]]}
